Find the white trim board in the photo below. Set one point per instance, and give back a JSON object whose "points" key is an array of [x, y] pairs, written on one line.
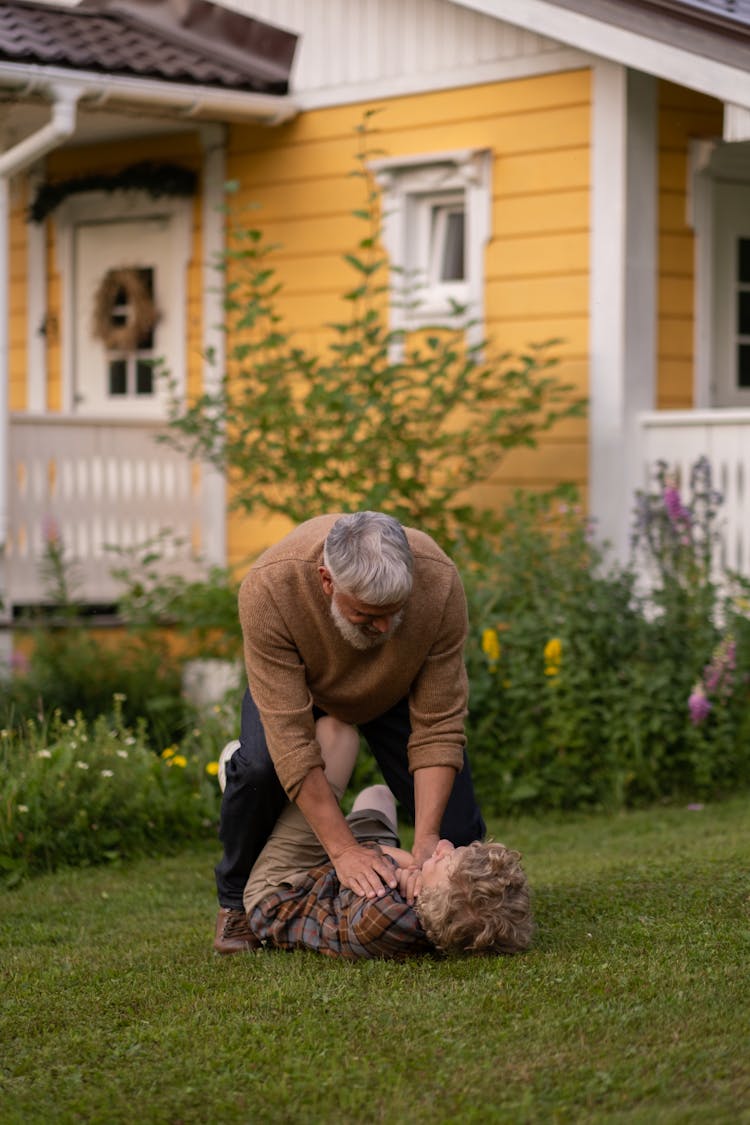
{"points": [[622, 301], [619, 45], [213, 483], [503, 70]]}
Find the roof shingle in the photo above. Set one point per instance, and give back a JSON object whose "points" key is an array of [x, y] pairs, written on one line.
{"points": [[115, 40]]}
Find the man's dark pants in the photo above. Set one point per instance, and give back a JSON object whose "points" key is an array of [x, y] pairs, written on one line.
{"points": [[253, 797]]}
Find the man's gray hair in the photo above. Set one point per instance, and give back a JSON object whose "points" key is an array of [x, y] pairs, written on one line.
{"points": [[369, 557]]}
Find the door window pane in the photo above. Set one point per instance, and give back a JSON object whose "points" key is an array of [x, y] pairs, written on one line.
{"points": [[743, 260], [743, 365], [743, 312], [146, 338], [144, 377], [118, 377]]}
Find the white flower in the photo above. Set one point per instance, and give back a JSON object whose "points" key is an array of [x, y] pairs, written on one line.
{"points": [[82, 765], [4, 733], [120, 696], [122, 753], [23, 808], [44, 753], [71, 722], [130, 740], [107, 773]]}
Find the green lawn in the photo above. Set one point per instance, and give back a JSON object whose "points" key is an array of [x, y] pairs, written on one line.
{"points": [[633, 1007]]}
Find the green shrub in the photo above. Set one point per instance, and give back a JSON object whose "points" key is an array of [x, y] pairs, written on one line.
{"points": [[203, 611], [71, 671], [77, 793], [583, 686]]}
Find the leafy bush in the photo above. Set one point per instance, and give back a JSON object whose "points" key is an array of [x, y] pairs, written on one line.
{"points": [[72, 672], [78, 793], [583, 688], [203, 611]]}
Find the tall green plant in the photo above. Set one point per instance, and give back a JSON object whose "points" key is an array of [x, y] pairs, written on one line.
{"points": [[378, 419]]}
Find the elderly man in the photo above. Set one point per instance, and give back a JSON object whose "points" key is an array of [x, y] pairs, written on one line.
{"points": [[356, 617]]}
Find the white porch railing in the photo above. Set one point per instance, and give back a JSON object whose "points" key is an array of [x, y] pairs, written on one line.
{"points": [[95, 483], [680, 437]]}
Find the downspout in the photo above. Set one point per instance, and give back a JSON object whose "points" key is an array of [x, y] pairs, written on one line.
{"points": [[13, 161]]}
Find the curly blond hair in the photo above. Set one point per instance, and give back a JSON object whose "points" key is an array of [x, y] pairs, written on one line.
{"points": [[485, 907]]}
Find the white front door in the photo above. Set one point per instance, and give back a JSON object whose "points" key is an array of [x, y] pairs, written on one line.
{"points": [[730, 377], [113, 378]]}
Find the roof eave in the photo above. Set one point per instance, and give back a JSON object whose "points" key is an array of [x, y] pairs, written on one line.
{"points": [[621, 45], [118, 92]]}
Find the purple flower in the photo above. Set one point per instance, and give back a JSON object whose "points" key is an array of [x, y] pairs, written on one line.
{"points": [[699, 705], [677, 512]]}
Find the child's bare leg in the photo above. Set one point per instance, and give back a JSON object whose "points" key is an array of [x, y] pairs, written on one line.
{"points": [[339, 745], [376, 797]]}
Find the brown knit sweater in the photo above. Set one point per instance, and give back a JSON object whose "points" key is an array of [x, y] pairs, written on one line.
{"points": [[295, 656]]}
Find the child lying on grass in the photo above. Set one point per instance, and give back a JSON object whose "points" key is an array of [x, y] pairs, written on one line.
{"points": [[472, 899]]}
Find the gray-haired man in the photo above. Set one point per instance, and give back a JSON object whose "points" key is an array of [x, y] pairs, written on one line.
{"points": [[356, 617]]}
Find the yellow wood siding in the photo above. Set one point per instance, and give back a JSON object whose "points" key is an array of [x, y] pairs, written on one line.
{"points": [[17, 327], [537, 262], [683, 115]]}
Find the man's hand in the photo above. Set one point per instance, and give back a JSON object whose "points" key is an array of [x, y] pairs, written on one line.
{"points": [[363, 871], [424, 847]]}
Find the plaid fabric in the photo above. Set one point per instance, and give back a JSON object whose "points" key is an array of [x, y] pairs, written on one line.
{"points": [[318, 914]]}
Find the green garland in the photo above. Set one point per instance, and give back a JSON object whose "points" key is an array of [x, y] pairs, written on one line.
{"points": [[156, 179]]}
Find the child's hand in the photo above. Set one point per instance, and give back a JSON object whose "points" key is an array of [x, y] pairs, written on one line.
{"points": [[400, 857], [409, 882]]}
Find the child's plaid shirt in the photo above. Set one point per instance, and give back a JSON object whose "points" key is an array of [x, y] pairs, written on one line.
{"points": [[319, 914]]}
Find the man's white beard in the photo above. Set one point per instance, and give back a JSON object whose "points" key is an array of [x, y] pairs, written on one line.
{"points": [[353, 633]]}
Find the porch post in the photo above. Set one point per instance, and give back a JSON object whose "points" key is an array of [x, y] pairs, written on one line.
{"points": [[214, 488], [5, 609], [623, 290]]}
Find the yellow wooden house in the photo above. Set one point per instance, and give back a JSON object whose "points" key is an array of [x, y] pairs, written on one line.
{"points": [[576, 169]]}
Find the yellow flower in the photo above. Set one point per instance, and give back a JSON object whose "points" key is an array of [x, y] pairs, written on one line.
{"points": [[178, 760], [169, 752], [212, 769], [491, 645], [552, 656]]}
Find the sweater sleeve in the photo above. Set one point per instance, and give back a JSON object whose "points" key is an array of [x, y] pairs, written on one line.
{"points": [[276, 676], [438, 700]]}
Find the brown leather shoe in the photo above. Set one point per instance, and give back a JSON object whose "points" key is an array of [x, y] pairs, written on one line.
{"points": [[233, 933]]}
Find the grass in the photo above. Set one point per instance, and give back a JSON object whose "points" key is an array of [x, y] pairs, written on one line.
{"points": [[633, 1007]]}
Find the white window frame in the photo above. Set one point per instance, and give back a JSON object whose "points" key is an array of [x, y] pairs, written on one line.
{"points": [[412, 186], [712, 164]]}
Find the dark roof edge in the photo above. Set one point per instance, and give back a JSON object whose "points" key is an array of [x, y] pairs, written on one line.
{"points": [[243, 41], [690, 29]]}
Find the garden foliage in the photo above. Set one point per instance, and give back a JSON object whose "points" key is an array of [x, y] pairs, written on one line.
{"points": [[587, 689], [80, 793]]}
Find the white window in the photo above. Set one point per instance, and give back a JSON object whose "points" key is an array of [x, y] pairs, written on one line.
{"points": [[436, 223]]}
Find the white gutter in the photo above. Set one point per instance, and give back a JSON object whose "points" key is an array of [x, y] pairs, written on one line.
{"points": [[14, 160], [201, 102]]}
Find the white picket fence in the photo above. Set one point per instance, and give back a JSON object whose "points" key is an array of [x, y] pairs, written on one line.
{"points": [[94, 485], [723, 436]]}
